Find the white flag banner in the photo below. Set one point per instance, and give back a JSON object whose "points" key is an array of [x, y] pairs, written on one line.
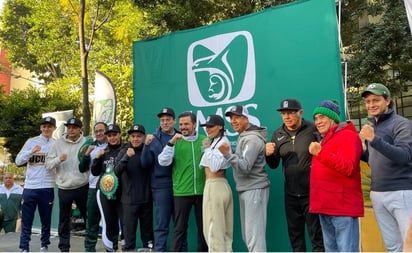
{"points": [[61, 118], [104, 109], [408, 7]]}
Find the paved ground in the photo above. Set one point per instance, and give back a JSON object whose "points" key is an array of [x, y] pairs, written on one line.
{"points": [[10, 243]]}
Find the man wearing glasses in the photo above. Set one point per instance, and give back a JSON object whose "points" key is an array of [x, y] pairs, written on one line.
{"points": [[93, 212], [290, 143]]}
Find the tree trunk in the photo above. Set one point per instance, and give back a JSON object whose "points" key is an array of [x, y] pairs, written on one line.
{"points": [[83, 60]]}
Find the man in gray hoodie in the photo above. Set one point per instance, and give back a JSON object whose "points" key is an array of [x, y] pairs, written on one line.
{"points": [[252, 181], [73, 185]]}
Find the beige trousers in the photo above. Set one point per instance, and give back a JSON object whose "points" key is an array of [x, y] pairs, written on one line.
{"points": [[218, 215]]}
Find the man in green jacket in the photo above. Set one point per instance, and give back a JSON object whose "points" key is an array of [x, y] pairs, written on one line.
{"points": [[185, 151], [10, 202]]}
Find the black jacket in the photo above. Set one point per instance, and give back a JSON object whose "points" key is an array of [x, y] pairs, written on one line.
{"points": [[134, 177], [99, 164], [296, 160]]}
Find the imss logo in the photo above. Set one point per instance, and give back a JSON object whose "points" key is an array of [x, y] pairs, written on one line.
{"points": [[221, 69]]}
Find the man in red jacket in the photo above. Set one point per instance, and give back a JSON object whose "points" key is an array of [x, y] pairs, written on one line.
{"points": [[335, 181]]}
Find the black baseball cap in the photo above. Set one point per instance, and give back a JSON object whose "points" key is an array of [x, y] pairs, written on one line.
{"points": [[290, 104], [112, 128], [137, 128], [213, 120], [237, 110], [74, 122], [48, 120], [167, 111]]}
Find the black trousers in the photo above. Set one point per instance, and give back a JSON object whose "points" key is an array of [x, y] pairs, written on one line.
{"points": [[297, 215], [132, 215], [111, 215], [183, 206], [66, 198]]}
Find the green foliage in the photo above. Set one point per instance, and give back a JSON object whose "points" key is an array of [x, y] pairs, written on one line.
{"points": [[42, 37], [22, 110], [382, 50], [39, 37], [18, 172], [174, 15]]}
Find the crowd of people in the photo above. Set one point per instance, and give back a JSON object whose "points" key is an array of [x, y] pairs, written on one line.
{"points": [[155, 179]]}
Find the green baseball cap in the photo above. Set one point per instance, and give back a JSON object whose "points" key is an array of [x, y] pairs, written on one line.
{"points": [[377, 89]]}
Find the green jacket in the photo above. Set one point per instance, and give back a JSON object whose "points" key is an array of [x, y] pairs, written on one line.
{"points": [[188, 176], [11, 204]]}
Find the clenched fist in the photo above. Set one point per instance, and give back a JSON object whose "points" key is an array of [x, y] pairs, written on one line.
{"points": [[315, 148], [224, 148], [36, 149], [367, 133], [270, 148], [206, 143], [175, 138], [130, 152], [149, 139]]}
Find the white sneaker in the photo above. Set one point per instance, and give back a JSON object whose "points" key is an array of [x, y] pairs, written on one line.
{"points": [[44, 249]]}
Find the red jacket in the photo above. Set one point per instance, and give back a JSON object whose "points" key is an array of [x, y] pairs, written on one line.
{"points": [[335, 181]]}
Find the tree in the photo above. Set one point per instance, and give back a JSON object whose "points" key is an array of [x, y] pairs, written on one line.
{"points": [[47, 37], [55, 32], [174, 15], [100, 11], [22, 110], [381, 51], [28, 41]]}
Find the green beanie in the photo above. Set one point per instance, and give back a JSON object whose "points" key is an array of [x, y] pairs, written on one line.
{"points": [[328, 108]]}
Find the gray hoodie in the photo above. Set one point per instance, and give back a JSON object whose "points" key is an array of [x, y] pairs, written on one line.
{"points": [[248, 161], [68, 175]]}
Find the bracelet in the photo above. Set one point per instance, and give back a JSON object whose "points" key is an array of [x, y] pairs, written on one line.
{"points": [[170, 144]]}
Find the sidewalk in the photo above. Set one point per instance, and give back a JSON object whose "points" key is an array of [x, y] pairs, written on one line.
{"points": [[10, 243]]}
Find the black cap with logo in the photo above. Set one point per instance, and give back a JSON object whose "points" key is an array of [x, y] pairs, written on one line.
{"points": [[166, 111], [48, 120], [137, 128], [112, 128], [74, 122], [237, 110], [290, 104]]}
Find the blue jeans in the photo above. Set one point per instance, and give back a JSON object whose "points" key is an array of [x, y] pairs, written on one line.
{"points": [[393, 210], [340, 233]]}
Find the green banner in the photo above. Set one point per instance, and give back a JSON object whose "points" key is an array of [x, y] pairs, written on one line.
{"points": [[256, 60]]}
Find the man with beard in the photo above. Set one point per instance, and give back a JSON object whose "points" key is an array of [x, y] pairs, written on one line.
{"points": [[185, 151]]}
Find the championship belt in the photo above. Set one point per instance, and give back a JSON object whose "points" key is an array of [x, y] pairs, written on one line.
{"points": [[84, 147], [109, 183]]}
